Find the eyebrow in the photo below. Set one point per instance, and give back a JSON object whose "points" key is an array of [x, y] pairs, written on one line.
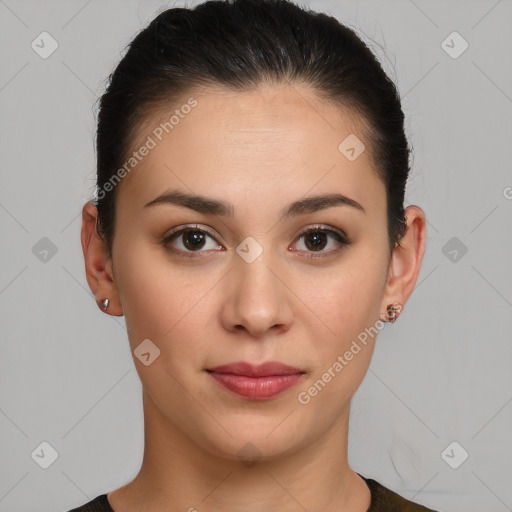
{"points": [[212, 206]]}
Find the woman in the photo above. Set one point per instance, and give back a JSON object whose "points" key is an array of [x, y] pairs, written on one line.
{"points": [[249, 224]]}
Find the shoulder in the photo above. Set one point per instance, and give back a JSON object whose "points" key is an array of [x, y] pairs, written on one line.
{"points": [[386, 500], [98, 504]]}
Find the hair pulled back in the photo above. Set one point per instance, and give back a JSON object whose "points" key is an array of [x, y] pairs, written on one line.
{"points": [[241, 44]]}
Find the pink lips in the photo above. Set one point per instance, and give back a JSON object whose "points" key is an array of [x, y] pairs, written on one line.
{"points": [[256, 382]]}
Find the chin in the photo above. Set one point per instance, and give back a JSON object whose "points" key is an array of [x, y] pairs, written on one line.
{"points": [[255, 437]]}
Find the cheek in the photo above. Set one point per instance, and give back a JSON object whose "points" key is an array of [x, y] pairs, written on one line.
{"points": [[163, 302], [148, 292], [346, 306], [347, 297]]}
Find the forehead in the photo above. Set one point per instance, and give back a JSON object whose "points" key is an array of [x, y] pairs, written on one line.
{"points": [[272, 141]]}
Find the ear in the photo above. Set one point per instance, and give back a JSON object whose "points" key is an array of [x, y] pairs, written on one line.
{"points": [[406, 259], [98, 264]]}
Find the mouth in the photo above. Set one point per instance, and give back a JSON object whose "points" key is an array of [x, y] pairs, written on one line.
{"points": [[260, 382], [269, 369]]}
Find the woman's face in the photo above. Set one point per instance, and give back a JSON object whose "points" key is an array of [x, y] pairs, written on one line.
{"points": [[244, 284]]}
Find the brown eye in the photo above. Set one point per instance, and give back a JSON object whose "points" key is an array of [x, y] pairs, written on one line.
{"points": [[317, 238], [193, 239], [189, 240]]}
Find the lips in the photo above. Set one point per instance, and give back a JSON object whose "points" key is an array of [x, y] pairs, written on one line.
{"points": [[262, 370], [260, 382]]}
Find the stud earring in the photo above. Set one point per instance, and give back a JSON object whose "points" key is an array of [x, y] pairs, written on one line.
{"points": [[105, 304], [392, 312]]}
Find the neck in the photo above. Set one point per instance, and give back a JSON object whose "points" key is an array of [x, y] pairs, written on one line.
{"points": [[179, 474]]}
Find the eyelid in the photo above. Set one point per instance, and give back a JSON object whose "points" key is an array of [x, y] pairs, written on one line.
{"points": [[325, 228], [185, 227]]}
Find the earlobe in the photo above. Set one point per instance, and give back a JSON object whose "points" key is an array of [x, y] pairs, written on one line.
{"points": [[406, 259], [98, 265]]}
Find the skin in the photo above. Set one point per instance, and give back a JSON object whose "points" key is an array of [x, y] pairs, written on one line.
{"points": [[259, 150]]}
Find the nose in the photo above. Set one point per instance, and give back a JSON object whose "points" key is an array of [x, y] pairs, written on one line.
{"points": [[257, 298]]}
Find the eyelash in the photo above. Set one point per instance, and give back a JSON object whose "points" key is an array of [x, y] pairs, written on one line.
{"points": [[337, 235]]}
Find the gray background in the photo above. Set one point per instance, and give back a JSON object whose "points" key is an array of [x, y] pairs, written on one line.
{"points": [[441, 374]]}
